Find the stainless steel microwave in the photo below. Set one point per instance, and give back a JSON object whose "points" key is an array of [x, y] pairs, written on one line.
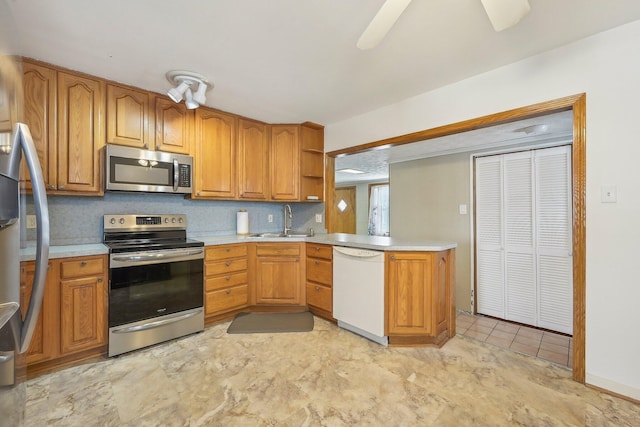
{"points": [[133, 169]]}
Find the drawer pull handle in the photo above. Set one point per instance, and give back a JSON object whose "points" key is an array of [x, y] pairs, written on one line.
{"points": [[227, 278], [228, 291], [83, 264]]}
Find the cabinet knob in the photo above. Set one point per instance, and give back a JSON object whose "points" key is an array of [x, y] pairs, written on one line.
{"points": [[317, 262], [51, 187], [228, 263], [61, 187], [228, 291], [393, 257], [317, 248], [228, 278], [317, 288], [83, 264], [228, 249], [145, 145], [99, 279]]}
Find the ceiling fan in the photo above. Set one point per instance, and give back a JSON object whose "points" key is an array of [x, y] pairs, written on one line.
{"points": [[502, 14]]}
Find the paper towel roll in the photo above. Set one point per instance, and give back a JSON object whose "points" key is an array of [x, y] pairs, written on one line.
{"points": [[242, 224]]}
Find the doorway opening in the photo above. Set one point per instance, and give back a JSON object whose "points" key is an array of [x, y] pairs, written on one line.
{"points": [[577, 105]]}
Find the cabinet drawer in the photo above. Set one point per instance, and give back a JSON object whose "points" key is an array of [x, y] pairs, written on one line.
{"points": [[225, 281], [214, 253], [227, 266], [320, 251], [227, 299], [82, 267], [320, 296], [320, 270], [268, 249]]}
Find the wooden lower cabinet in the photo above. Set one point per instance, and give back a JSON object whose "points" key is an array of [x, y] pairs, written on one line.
{"points": [[226, 279], [319, 283], [419, 297], [279, 273], [73, 319]]}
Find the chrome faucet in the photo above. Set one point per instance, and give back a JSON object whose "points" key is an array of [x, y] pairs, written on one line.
{"points": [[288, 218]]}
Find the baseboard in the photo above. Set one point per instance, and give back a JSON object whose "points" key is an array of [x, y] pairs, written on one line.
{"points": [[614, 388]]}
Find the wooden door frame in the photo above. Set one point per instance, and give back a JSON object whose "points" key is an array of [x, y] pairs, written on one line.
{"points": [[577, 104]]}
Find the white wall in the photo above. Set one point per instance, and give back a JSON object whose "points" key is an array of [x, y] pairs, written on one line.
{"points": [[607, 68]]}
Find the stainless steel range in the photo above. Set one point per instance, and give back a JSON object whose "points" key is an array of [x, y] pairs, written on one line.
{"points": [[155, 280]]}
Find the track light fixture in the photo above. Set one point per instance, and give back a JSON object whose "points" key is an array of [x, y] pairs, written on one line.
{"points": [[185, 82]]}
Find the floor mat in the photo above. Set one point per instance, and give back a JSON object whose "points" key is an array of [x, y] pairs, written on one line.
{"points": [[255, 323]]}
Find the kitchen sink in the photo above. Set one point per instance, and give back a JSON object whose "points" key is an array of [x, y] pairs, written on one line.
{"points": [[294, 234]]}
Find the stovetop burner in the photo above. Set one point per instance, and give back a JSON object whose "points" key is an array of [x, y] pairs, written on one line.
{"points": [[128, 233]]}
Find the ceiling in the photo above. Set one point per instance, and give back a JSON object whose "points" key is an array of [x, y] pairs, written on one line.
{"points": [[290, 61], [548, 130]]}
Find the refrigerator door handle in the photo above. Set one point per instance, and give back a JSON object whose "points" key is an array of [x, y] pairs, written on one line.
{"points": [[25, 141]]}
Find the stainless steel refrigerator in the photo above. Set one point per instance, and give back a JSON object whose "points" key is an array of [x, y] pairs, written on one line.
{"points": [[16, 329]]}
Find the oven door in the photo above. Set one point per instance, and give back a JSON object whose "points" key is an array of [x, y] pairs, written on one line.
{"points": [[148, 284]]}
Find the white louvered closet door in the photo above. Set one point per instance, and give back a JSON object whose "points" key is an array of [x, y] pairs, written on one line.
{"points": [[555, 253], [523, 237], [519, 250], [489, 237]]}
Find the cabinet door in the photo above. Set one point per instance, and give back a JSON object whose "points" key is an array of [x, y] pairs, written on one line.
{"points": [[253, 160], [215, 159], [409, 293], [44, 341], [278, 280], [285, 162], [174, 127], [40, 115], [83, 313], [80, 133], [128, 117]]}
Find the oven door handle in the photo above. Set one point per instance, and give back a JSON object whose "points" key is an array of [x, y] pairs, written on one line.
{"points": [[150, 256], [155, 323]]}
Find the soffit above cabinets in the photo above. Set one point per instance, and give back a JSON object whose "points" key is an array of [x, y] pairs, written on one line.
{"points": [[552, 129]]}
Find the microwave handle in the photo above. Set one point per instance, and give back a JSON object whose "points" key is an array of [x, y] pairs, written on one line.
{"points": [[176, 174]]}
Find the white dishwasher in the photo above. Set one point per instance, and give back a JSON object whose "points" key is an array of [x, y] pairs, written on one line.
{"points": [[358, 292]]}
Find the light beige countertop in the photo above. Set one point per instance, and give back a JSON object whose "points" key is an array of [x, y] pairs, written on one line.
{"points": [[379, 243], [66, 251]]}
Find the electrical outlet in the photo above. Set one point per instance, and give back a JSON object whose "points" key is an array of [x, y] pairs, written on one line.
{"points": [[318, 217], [31, 221], [270, 218]]}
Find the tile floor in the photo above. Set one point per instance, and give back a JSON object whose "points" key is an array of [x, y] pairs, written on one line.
{"points": [[552, 347]]}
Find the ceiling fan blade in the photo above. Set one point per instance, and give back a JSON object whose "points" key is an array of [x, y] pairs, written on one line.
{"points": [[505, 13], [382, 23]]}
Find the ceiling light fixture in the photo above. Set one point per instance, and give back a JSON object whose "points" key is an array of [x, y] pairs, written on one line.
{"points": [[184, 83], [349, 170]]}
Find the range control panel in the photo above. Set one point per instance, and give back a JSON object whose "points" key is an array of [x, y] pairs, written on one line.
{"points": [[144, 222]]}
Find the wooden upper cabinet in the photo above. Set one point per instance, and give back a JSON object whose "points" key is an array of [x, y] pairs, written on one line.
{"points": [[128, 120], [285, 162], [253, 160], [80, 133], [39, 114], [215, 154], [174, 126]]}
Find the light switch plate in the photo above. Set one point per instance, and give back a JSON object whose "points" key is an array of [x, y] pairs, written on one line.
{"points": [[462, 209], [318, 217], [31, 221], [608, 194]]}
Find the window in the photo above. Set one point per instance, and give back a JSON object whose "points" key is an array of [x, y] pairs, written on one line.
{"points": [[378, 210]]}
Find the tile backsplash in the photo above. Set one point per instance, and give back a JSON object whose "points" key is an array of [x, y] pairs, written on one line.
{"points": [[78, 220]]}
